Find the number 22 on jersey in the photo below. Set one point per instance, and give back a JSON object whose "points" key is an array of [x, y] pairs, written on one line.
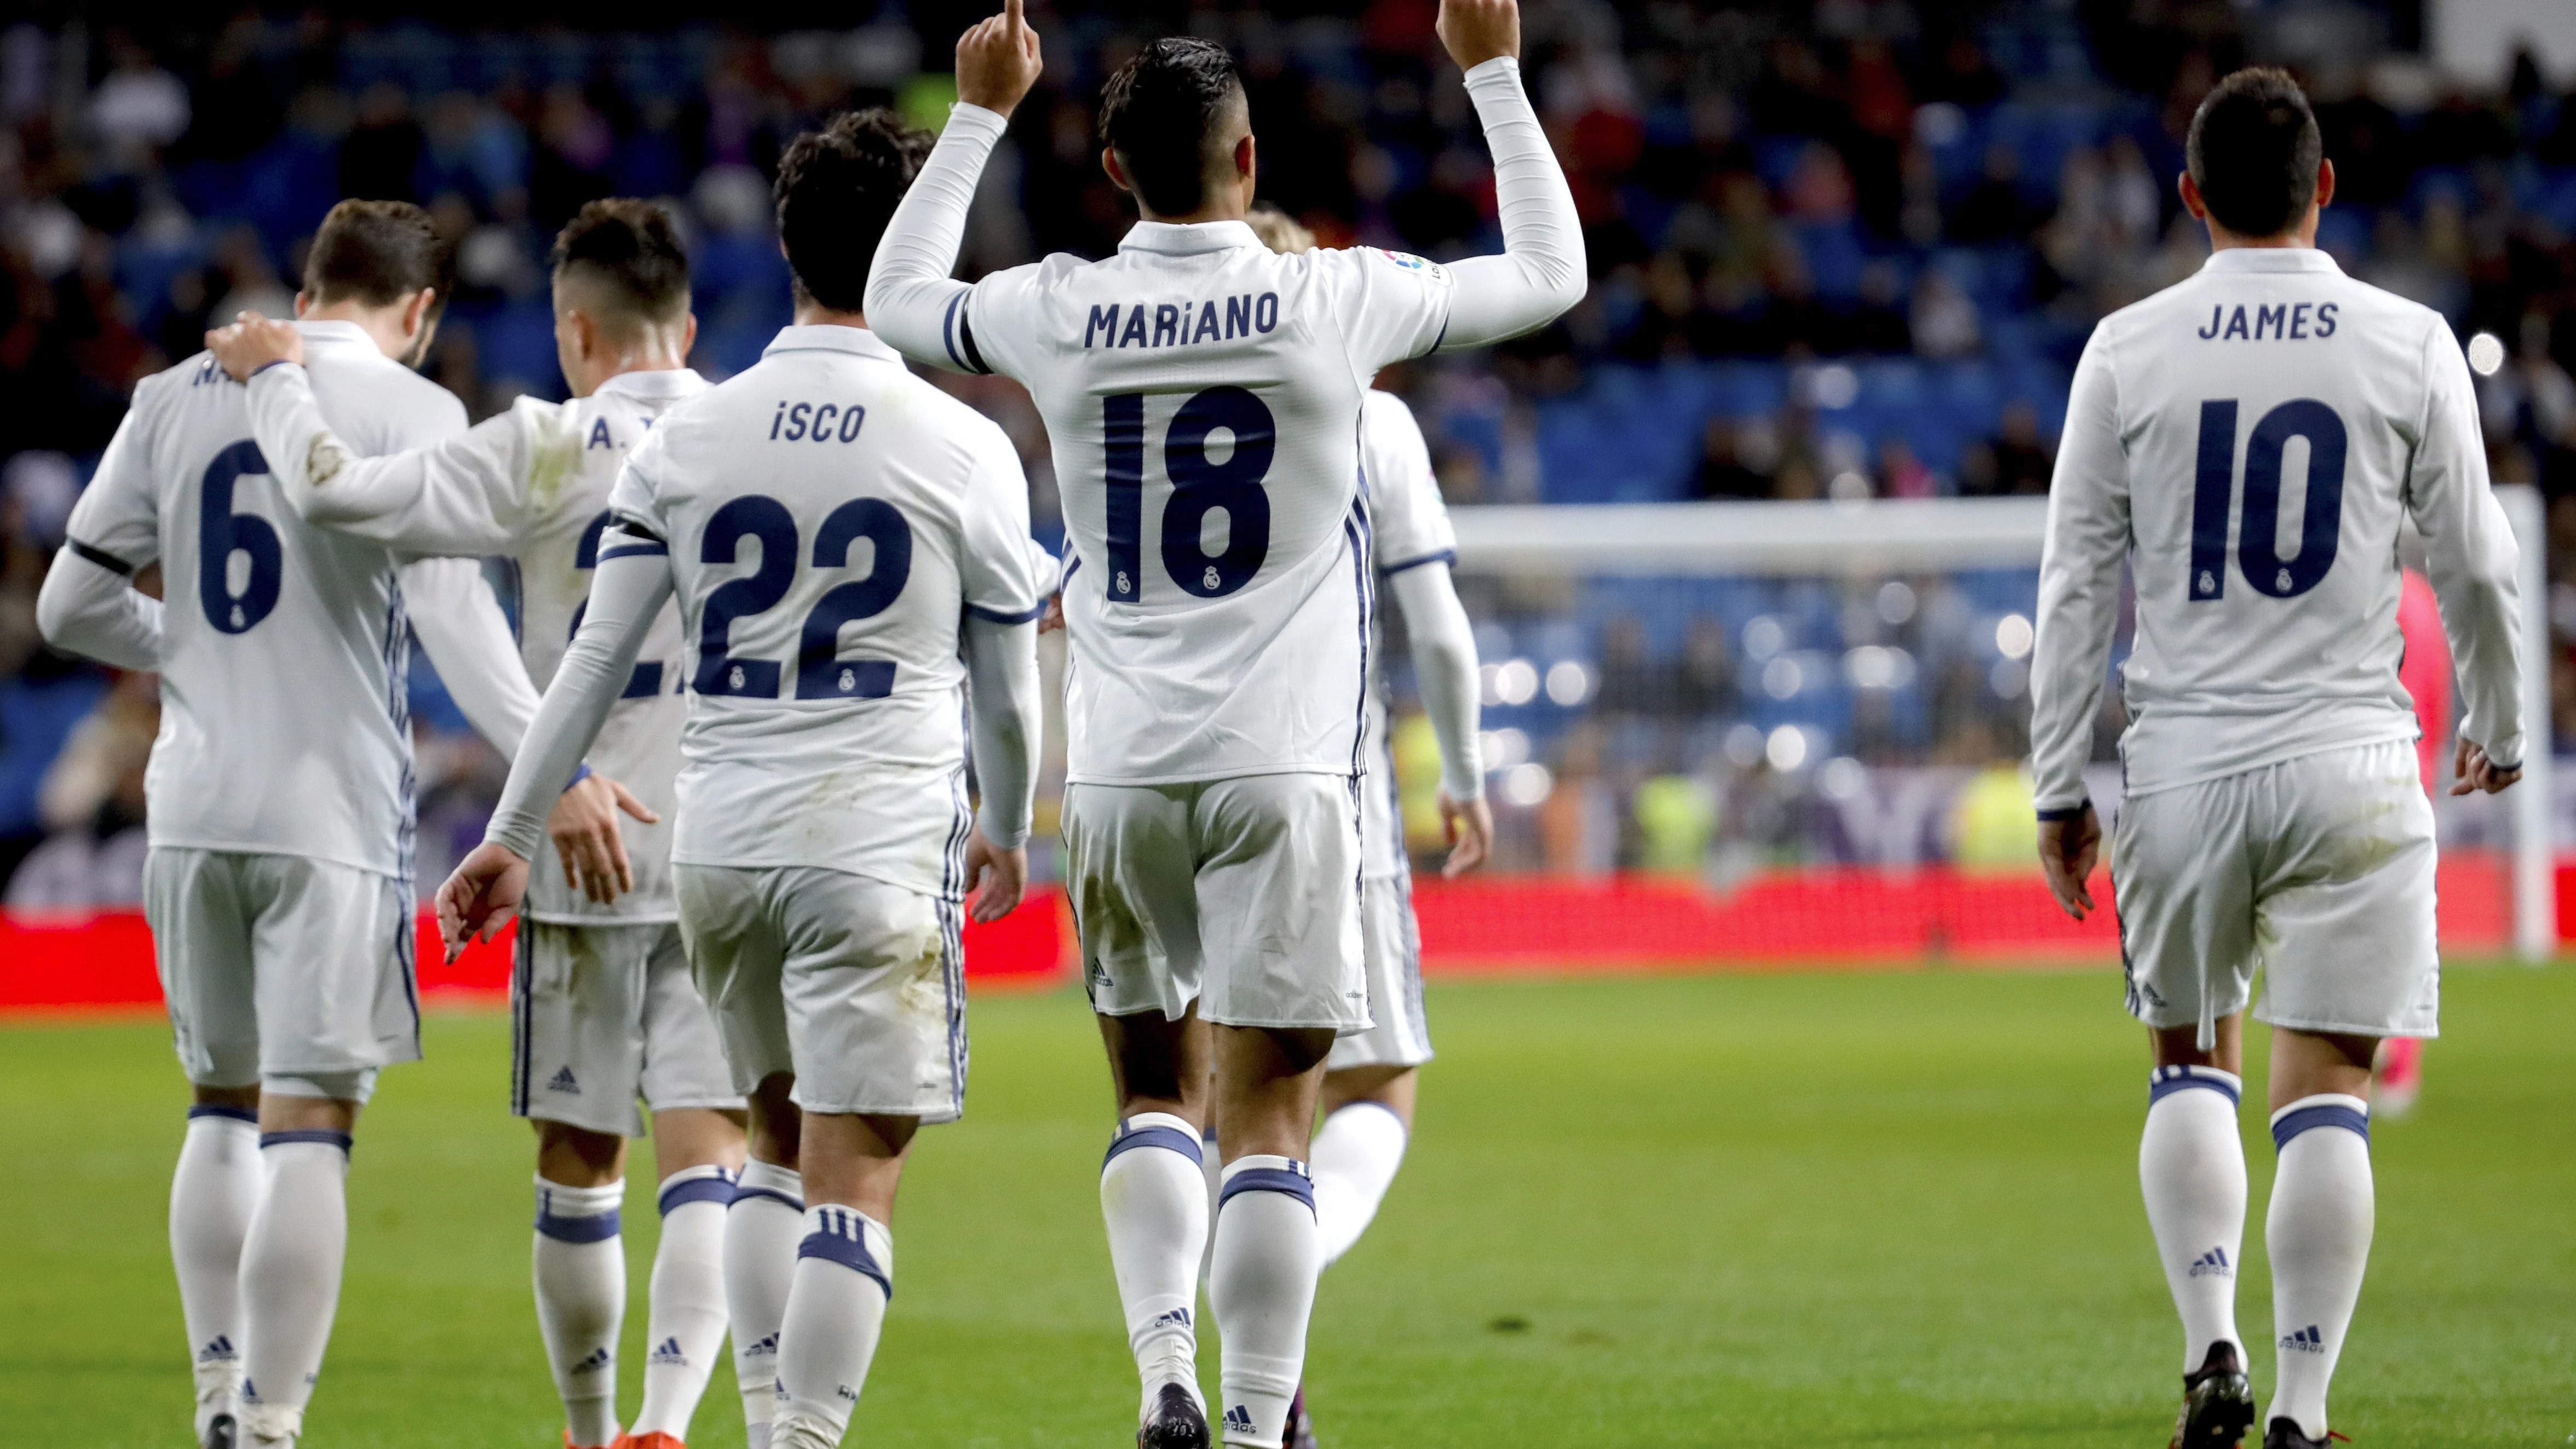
{"points": [[820, 672], [2257, 535]]}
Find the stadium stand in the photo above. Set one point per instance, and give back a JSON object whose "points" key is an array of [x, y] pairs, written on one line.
{"points": [[1840, 251]]}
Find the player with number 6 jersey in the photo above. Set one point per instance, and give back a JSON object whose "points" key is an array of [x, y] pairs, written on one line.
{"points": [[2250, 442], [1203, 395], [278, 885]]}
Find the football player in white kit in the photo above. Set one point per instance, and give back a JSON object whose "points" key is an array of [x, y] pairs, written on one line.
{"points": [[850, 549], [280, 790], [1205, 394], [1369, 1079], [602, 1009], [2248, 442]]}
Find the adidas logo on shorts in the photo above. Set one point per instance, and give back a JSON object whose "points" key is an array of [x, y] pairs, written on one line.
{"points": [[564, 1081]]}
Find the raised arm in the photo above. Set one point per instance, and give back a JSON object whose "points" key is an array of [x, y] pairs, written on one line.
{"points": [[458, 496], [912, 301], [1541, 271], [2471, 558], [629, 589], [2079, 605]]}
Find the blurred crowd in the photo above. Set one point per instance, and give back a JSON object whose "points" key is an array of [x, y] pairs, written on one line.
{"points": [[1840, 250]]}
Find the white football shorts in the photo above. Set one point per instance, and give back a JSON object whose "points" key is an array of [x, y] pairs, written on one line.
{"points": [[2317, 870], [603, 1015], [1242, 895], [282, 969], [1392, 953], [855, 985]]}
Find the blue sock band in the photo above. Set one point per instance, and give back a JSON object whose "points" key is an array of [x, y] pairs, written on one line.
{"points": [[589, 1228], [717, 1187], [237, 1114], [1291, 1180], [1153, 1134], [340, 1140], [842, 1240], [2163, 1082], [2324, 1114]]}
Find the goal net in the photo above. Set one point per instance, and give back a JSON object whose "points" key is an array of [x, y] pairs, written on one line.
{"points": [[1784, 733]]}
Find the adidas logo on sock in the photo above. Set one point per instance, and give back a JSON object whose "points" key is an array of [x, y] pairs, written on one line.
{"points": [[1238, 1418], [219, 1350], [2306, 1340], [1176, 1318], [564, 1081], [669, 1354], [766, 1345], [600, 1358], [2213, 1261]]}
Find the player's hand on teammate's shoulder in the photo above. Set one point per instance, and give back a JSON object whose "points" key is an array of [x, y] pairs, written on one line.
{"points": [[2476, 772], [480, 896], [998, 60], [1003, 876], [251, 342], [1477, 31], [583, 825], [2067, 852], [1468, 826]]}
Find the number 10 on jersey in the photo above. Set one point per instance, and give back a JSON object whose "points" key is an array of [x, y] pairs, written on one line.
{"points": [[1199, 488], [2257, 534]]}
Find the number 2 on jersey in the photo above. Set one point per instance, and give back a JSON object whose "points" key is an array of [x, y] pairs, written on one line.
{"points": [[1199, 488], [2257, 549], [820, 672], [646, 681]]}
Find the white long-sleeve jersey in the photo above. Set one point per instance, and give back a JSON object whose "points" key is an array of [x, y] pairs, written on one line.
{"points": [[284, 649], [829, 524], [1202, 396], [2249, 440], [1414, 546], [530, 486]]}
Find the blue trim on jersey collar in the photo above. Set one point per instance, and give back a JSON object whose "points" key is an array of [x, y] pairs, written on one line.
{"points": [[2271, 259], [831, 337], [1184, 239]]}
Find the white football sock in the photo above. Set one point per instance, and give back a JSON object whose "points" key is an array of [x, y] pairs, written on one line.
{"points": [[1262, 1288], [685, 1323], [1355, 1156], [1153, 1196], [844, 1275], [290, 1275], [579, 1266], [2318, 1232], [761, 1230], [213, 1192], [2191, 1167]]}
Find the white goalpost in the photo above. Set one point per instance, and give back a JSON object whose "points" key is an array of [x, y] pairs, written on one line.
{"points": [[1920, 537]]}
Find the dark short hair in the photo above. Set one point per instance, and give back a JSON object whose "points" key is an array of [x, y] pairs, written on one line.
{"points": [[1162, 112], [631, 248], [2253, 152], [377, 252], [837, 188]]}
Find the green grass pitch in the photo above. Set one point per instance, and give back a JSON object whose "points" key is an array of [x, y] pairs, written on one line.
{"points": [[1846, 1209]]}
